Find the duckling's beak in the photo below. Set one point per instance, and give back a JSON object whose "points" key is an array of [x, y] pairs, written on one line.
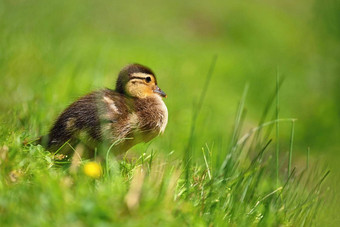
{"points": [[160, 92]]}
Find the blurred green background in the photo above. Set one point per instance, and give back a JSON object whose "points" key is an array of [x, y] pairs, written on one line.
{"points": [[52, 52]]}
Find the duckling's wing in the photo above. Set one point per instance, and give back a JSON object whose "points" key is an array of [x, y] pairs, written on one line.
{"points": [[81, 115], [99, 116], [115, 115]]}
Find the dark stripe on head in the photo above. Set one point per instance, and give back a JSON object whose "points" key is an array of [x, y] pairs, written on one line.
{"points": [[137, 77]]}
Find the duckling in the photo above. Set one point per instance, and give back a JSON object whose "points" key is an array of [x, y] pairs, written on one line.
{"points": [[132, 113]]}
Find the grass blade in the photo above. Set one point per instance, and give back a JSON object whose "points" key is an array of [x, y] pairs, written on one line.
{"points": [[277, 128], [188, 151], [291, 147]]}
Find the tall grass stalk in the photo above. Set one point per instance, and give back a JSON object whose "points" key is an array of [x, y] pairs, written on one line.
{"points": [[107, 155], [291, 147], [236, 129], [245, 137], [308, 151], [197, 109], [277, 126], [206, 164]]}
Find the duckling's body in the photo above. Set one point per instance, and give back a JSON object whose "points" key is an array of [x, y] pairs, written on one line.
{"points": [[133, 113]]}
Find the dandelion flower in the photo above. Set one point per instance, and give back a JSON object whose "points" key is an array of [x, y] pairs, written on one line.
{"points": [[93, 169]]}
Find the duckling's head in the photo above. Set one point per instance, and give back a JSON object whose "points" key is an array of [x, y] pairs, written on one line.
{"points": [[138, 81]]}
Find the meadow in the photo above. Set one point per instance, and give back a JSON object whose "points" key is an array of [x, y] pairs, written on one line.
{"points": [[252, 137]]}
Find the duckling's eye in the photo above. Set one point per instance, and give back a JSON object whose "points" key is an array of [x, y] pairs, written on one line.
{"points": [[148, 79]]}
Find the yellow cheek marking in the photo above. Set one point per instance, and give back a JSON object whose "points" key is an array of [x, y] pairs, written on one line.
{"points": [[148, 91], [139, 89]]}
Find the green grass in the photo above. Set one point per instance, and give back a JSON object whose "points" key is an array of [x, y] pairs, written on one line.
{"points": [[211, 166], [223, 186], [237, 186]]}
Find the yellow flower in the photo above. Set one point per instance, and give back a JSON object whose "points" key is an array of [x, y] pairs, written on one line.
{"points": [[93, 169]]}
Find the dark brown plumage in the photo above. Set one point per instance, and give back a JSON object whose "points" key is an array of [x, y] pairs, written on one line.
{"points": [[133, 113]]}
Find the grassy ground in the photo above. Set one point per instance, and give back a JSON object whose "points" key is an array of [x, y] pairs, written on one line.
{"points": [[53, 52]]}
